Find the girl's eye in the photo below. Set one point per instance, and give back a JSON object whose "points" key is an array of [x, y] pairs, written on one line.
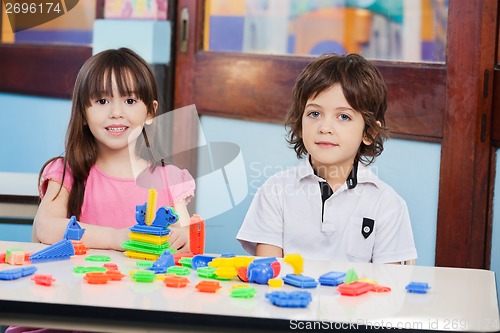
{"points": [[101, 101], [130, 101], [313, 114], [343, 116]]}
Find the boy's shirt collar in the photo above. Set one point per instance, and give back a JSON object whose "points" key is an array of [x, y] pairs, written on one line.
{"points": [[363, 174]]}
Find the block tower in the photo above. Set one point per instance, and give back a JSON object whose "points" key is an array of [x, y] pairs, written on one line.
{"points": [[148, 239]]}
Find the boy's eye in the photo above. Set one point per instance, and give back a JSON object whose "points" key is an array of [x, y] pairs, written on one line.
{"points": [[343, 116], [313, 114]]}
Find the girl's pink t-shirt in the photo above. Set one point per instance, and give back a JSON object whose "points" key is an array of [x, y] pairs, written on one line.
{"points": [[111, 201]]}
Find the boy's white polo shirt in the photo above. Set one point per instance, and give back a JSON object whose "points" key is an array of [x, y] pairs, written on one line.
{"points": [[286, 212]]}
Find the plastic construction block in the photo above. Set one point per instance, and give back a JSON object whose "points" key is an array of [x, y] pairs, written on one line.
{"points": [[58, 251], [177, 270], [110, 265], [161, 265], [73, 230], [79, 247], [94, 269], [140, 214], [332, 279], [185, 262], [200, 260], [98, 258], [294, 299], [417, 287], [151, 239], [150, 230], [15, 258], [355, 288], [144, 276], [146, 247], [206, 272], [208, 286], [43, 279], [296, 261], [260, 273], [351, 276], [300, 281], [175, 281], [16, 273], [261, 270], [243, 292], [97, 277], [225, 273], [275, 283], [197, 234], [151, 206], [242, 273], [178, 256], [141, 255], [165, 216], [114, 274]]}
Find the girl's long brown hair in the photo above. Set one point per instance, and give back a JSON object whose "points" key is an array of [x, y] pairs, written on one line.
{"points": [[133, 76]]}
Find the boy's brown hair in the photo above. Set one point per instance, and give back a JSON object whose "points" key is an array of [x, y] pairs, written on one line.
{"points": [[363, 87]]}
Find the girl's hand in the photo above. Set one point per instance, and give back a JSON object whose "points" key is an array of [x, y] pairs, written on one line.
{"points": [[179, 238], [121, 236]]}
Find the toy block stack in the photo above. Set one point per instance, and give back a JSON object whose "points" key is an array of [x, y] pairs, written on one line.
{"points": [[148, 239]]}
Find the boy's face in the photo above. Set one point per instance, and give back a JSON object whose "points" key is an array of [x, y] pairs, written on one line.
{"points": [[332, 132]]}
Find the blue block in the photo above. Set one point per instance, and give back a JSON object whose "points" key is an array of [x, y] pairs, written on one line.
{"points": [[294, 299], [417, 287], [332, 279], [16, 273], [150, 230], [73, 230], [200, 260], [58, 251], [300, 281]]}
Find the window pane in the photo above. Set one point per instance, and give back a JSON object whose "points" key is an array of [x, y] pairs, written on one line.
{"points": [[70, 25], [401, 30]]}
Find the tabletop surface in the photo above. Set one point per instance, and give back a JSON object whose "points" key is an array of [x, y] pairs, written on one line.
{"points": [[458, 299]]}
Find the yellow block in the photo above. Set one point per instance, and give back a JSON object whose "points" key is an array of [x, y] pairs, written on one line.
{"points": [[152, 239]]}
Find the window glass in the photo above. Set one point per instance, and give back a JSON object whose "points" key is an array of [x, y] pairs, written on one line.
{"points": [[48, 22], [400, 30]]}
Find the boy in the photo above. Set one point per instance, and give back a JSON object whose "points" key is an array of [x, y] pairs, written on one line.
{"points": [[331, 206]]}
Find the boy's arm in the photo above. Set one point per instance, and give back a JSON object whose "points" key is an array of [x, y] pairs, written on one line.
{"points": [[50, 223], [267, 250]]}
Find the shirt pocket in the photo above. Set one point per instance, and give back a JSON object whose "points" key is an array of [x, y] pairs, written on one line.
{"points": [[358, 246]]}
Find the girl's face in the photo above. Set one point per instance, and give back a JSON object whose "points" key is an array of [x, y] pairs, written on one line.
{"points": [[115, 121], [332, 132]]}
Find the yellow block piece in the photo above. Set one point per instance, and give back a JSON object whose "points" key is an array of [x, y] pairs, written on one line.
{"points": [[152, 239], [296, 261], [151, 206], [275, 283]]}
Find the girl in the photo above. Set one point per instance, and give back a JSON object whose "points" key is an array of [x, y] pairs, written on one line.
{"points": [[331, 206], [114, 98]]}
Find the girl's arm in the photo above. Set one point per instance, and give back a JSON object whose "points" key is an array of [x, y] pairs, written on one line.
{"points": [[50, 223], [267, 250], [179, 231]]}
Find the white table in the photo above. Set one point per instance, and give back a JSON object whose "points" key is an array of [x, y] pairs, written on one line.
{"points": [[459, 300]]}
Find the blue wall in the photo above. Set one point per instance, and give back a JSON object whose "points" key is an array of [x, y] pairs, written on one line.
{"points": [[495, 241], [266, 152], [32, 130]]}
